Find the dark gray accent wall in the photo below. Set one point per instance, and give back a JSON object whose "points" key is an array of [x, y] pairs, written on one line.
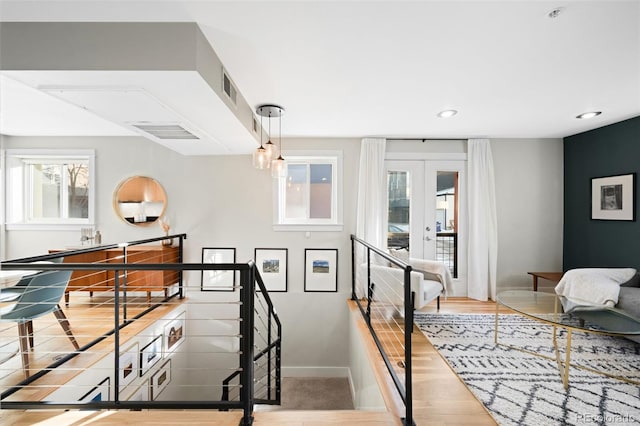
{"points": [[610, 150]]}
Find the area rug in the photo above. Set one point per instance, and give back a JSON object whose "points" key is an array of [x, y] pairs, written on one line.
{"points": [[522, 389]]}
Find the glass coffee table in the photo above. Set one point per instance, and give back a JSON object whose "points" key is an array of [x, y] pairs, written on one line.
{"points": [[547, 308]]}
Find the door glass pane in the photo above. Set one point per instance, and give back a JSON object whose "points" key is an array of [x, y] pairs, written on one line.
{"points": [[295, 192], [447, 220], [78, 194], [45, 189], [320, 191], [399, 195]]}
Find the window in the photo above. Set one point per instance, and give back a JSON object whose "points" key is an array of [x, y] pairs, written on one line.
{"points": [[309, 197], [49, 188]]}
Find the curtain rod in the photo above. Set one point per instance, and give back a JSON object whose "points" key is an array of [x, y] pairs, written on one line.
{"points": [[425, 139]]}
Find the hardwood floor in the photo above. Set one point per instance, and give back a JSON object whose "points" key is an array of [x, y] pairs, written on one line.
{"points": [[89, 318], [439, 395]]}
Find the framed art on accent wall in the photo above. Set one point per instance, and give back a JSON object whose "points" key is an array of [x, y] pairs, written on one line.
{"points": [[613, 197], [272, 264], [128, 365], [321, 270], [218, 280], [174, 333], [150, 355], [160, 380], [98, 393]]}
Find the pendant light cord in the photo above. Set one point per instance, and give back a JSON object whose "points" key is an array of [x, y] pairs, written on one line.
{"points": [[261, 131]]}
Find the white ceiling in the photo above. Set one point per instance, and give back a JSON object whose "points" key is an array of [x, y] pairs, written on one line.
{"points": [[386, 68]]}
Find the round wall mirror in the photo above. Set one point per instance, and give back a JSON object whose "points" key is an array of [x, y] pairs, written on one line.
{"points": [[140, 200]]}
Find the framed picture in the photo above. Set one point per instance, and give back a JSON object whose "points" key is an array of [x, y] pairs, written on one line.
{"points": [[321, 270], [160, 380], [129, 365], [150, 355], [174, 333], [98, 393], [613, 197], [141, 393], [272, 264], [218, 280]]}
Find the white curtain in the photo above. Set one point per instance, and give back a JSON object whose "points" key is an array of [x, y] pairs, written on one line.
{"points": [[372, 190], [483, 228], [370, 218]]}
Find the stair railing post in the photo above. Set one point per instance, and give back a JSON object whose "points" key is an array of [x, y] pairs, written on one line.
{"points": [[408, 330], [116, 337], [180, 260], [353, 269], [247, 282], [369, 286]]}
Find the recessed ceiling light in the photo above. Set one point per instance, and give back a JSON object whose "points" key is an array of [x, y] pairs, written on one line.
{"points": [[586, 115], [555, 12], [447, 113]]}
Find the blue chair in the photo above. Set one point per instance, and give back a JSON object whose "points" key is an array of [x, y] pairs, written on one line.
{"points": [[41, 296], [10, 294]]}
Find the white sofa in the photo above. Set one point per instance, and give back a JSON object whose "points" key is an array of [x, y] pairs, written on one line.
{"points": [[429, 280]]}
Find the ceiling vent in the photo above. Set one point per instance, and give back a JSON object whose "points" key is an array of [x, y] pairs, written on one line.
{"points": [[165, 131], [228, 87]]}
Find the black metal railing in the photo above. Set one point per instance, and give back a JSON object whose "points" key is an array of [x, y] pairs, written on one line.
{"points": [[257, 366], [381, 287], [447, 250], [267, 358]]}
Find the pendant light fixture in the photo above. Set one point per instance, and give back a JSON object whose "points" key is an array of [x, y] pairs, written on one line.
{"points": [[278, 166], [269, 111], [261, 160]]}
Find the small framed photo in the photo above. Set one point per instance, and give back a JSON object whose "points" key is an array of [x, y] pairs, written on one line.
{"points": [[141, 393], [613, 198], [129, 365], [160, 380], [272, 264], [174, 333], [321, 270], [150, 355], [98, 393], [218, 280]]}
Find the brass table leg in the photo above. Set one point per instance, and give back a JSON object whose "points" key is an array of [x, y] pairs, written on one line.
{"points": [[563, 369]]}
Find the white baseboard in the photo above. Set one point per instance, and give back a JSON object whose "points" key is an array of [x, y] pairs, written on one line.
{"points": [[316, 372]]}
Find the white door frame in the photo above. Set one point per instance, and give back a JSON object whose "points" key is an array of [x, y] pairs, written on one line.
{"points": [[431, 164]]}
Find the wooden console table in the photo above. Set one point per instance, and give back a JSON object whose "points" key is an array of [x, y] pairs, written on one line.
{"points": [[148, 281], [550, 276]]}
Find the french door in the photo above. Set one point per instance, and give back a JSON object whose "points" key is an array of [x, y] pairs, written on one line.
{"points": [[426, 212]]}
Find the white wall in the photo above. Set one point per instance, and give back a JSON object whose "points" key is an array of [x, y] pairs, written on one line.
{"points": [[529, 197], [223, 201]]}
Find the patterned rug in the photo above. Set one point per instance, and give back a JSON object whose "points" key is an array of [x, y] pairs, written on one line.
{"points": [[522, 389]]}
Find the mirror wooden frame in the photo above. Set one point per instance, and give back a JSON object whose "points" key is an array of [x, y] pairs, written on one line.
{"points": [[140, 200]]}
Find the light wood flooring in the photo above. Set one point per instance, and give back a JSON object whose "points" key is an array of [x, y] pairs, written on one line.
{"points": [[89, 318], [439, 395]]}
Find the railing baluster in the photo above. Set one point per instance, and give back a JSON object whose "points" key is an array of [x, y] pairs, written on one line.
{"points": [[247, 279], [404, 389], [253, 295]]}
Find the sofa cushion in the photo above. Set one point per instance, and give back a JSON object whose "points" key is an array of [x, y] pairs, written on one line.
{"points": [[629, 301], [633, 282]]}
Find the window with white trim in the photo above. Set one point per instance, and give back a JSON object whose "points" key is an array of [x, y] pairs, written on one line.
{"points": [[49, 188], [309, 196]]}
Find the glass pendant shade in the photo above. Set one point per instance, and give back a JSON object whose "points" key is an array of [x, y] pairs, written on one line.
{"points": [[278, 168], [272, 153], [260, 158], [270, 148]]}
